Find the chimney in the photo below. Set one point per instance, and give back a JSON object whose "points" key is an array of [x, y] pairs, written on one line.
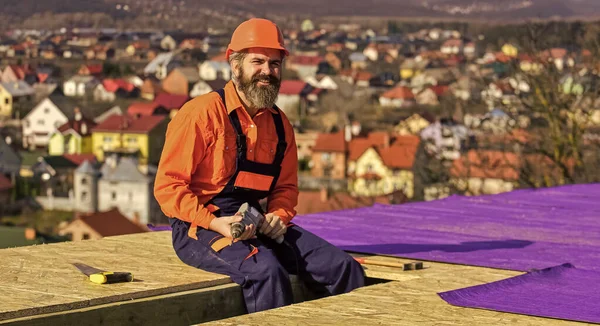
{"points": [[30, 234], [347, 133], [356, 128], [78, 116], [324, 194]]}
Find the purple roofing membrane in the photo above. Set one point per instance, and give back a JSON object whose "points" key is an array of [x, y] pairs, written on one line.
{"points": [[519, 230], [563, 292]]}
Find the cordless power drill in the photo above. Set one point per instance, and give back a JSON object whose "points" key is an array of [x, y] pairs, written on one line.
{"points": [[250, 216]]}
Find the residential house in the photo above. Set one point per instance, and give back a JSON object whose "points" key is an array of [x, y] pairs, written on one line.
{"points": [[305, 142], [470, 50], [125, 187], [141, 137], [559, 57], [295, 97], [410, 68], [73, 137], [203, 87], [54, 173], [414, 124], [41, 122], [168, 43], [171, 102], [150, 88], [212, 69], [452, 46], [324, 200], [15, 97], [106, 114], [110, 89], [329, 156], [10, 161], [400, 96], [322, 82], [358, 61], [14, 73], [137, 109], [181, 80], [371, 52], [386, 169], [78, 86], [304, 65], [485, 172], [162, 65], [445, 139], [334, 61], [430, 95], [138, 49], [96, 226], [90, 70], [356, 77]]}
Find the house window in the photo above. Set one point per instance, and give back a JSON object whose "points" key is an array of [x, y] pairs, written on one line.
{"points": [[41, 122], [369, 167], [108, 139], [326, 157], [114, 195], [84, 195], [132, 141], [86, 236], [84, 181], [46, 110], [6, 100]]}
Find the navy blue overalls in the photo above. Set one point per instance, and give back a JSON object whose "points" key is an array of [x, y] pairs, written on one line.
{"points": [[261, 266]]}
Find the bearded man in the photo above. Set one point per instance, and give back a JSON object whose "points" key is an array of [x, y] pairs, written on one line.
{"points": [[234, 146]]}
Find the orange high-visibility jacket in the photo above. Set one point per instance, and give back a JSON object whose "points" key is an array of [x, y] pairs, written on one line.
{"points": [[199, 156]]}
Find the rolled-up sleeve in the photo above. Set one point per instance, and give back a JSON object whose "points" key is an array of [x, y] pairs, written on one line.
{"points": [[283, 199], [184, 148]]}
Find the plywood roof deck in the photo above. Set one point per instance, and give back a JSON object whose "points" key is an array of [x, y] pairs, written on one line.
{"points": [[412, 301], [39, 287]]}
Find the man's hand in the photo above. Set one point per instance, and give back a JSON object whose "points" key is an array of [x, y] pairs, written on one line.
{"points": [[272, 226], [222, 225]]}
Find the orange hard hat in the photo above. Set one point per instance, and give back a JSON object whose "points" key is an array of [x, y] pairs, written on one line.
{"points": [[256, 33]]}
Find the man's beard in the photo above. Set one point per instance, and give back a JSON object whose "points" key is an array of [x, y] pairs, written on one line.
{"points": [[258, 96]]}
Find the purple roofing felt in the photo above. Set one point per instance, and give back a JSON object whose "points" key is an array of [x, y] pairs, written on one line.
{"points": [[563, 292], [519, 230]]}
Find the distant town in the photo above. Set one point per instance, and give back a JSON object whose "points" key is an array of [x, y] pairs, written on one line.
{"points": [[381, 116]]}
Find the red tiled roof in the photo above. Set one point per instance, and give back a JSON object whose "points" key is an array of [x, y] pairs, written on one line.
{"points": [[453, 42], [330, 142], [312, 202], [111, 223], [487, 164], [171, 101], [142, 108], [305, 60], [80, 158], [291, 87], [400, 155], [94, 69], [5, 183], [112, 85], [358, 146], [357, 74], [439, 90], [400, 92], [129, 124], [77, 126]]}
